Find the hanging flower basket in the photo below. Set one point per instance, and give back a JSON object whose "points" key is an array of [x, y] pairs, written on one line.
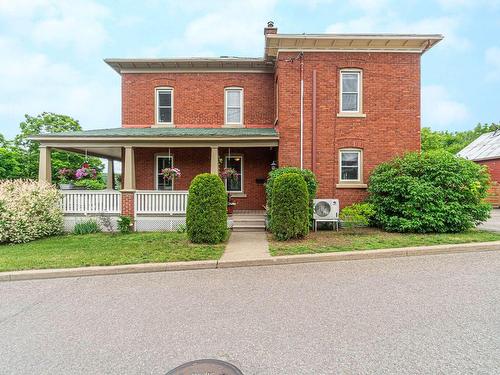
{"points": [[170, 173], [229, 174], [86, 172], [66, 176]]}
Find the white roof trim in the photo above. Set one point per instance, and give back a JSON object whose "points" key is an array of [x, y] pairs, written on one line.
{"points": [[349, 42]]}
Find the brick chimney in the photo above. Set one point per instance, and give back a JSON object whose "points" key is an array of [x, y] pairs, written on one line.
{"points": [[270, 29]]}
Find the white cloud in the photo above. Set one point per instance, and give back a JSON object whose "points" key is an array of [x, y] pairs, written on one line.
{"points": [[492, 57], [237, 25], [392, 23], [32, 83], [460, 4], [75, 24], [439, 111]]}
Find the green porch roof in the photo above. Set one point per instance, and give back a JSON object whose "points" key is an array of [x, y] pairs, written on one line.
{"points": [[168, 132]]}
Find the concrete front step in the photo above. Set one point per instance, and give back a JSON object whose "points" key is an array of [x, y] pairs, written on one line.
{"points": [[249, 223], [248, 217], [244, 223], [248, 229]]}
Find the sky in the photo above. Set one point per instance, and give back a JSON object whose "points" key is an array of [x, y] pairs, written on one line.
{"points": [[52, 51]]}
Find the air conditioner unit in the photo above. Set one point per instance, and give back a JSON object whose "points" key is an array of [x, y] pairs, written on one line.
{"points": [[326, 209]]}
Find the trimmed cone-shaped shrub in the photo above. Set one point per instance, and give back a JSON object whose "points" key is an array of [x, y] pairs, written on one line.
{"points": [[289, 207], [311, 182], [206, 216], [28, 210], [429, 192]]}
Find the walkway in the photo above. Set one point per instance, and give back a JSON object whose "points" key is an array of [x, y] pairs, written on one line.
{"points": [[246, 246], [493, 223]]}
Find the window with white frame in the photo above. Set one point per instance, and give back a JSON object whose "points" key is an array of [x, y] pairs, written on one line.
{"points": [[162, 162], [235, 162], [350, 165], [233, 106], [164, 106], [350, 91]]}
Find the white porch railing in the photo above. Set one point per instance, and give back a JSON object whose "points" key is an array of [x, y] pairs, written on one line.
{"points": [[90, 201], [161, 202]]}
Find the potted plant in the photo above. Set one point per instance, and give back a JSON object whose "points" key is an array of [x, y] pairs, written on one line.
{"points": [[170, 173], [66, 177], [229, 174], [86, 178], [230, 204]]}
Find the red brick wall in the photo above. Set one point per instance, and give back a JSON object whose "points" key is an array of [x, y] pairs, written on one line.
{"points": [[193, 161], [391, 102], [128, 204], [493, 168], [256, 165], [198, 98]]}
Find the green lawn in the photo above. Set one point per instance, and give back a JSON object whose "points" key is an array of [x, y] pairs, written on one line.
{"points": [[369, 239], [103, 250]]}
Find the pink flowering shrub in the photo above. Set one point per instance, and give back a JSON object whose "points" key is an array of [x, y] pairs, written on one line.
{"points": [[28, 210]]}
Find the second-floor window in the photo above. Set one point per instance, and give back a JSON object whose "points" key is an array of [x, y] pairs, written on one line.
{"points": [[350, 91], [164, 106], [233, 106]]}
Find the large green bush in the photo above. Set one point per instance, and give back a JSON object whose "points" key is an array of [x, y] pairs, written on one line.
{"points": [[429, 192], [28, 210], [290, 207], [206, 216], [357, 215], [311, 182]]}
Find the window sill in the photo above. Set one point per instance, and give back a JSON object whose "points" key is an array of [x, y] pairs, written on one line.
{"points": [[237, 195], [345, 114], [163, 126], [233, 126], [353, 185]]}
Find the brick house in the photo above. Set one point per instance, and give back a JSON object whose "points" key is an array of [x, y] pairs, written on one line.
{"points": [[485, 150], [336, 104]]}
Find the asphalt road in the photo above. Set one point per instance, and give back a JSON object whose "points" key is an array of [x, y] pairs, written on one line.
{"points": [[425, 315]]}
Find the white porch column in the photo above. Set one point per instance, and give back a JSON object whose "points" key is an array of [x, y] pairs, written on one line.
{"points": [[129, 169], [111, 175], [214, 160], [45, 165]]}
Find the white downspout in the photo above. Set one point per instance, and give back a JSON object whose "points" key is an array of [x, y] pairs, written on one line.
{"points": [[301, 110]]}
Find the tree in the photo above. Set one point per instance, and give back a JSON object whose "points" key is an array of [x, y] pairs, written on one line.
{"points": [[453, 141], [48, 122]]}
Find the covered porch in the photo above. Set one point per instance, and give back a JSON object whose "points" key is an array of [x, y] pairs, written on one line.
{"points": [[153, 202]]}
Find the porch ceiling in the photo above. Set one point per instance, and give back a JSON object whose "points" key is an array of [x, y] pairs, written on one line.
{"points": [[108, 142]]}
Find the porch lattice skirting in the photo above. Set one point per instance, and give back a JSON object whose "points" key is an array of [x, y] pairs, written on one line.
{"points": [[160, 210]]}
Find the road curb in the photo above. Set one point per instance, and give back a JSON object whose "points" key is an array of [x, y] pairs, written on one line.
{"points": [[106, 270], [365, 254], [278, 260]]}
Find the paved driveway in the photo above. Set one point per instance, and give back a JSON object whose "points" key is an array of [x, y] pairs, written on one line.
{"points": [[429, 314], [493, 223]]}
